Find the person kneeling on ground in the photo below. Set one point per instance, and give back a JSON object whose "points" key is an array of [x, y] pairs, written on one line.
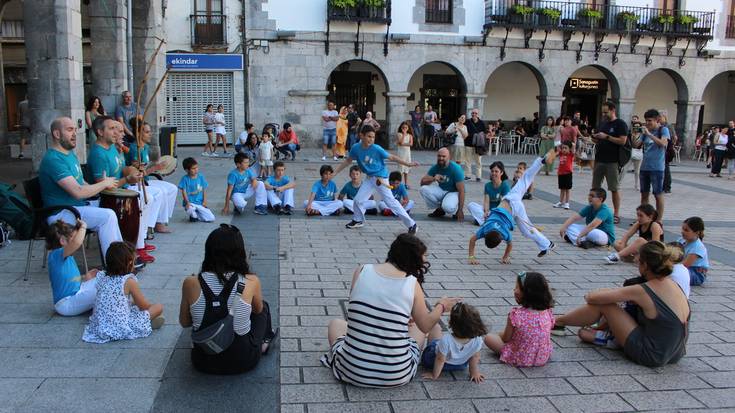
{"points": [[400, 193], [599, 228], [322, 197], [443, 187]]}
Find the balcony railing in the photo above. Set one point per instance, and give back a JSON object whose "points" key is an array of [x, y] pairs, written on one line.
{"points": [[208, 30], [439, 11], [11, 29], [360, 13], [730, 29], [611, 18]]}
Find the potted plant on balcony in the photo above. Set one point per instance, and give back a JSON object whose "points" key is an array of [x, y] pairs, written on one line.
{"points": [[627, 20], [588, 18], [372, 8], [684, 23], [343, 8], [662, 23], [520, 14], [548, 16]]}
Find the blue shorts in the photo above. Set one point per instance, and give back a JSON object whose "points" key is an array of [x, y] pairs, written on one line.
{"points": [[329, 137], [653, 179], [429, 355], [697, 275]]}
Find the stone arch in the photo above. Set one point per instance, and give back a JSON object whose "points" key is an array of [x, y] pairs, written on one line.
{"points": [[718, 97], [587, 97], [662, 89], [442, 85], [504, 79], [359, 82]]}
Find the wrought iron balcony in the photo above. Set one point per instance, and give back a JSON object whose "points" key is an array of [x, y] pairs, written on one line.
{"points": [[208, 30], [563, 15], [360, 13]]}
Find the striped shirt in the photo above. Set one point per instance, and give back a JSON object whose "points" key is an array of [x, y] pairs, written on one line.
{"points": [[377, 350], [242, 310]]}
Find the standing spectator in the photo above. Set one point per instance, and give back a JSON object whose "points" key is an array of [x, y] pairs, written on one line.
{"points": [[535, 123], [654, 139], [370, 121], [93, 110], [24, 123], [353, 123], [342, 130], [673, 141], [612, 135], [416, 118], [569, 133], [404, 141], [458, 129], [431, 123], [473, 160], [208, 122], [329, 131], [730, 150], [126, 111], [720, 144], [636, 155], [547, 135], [220, 129], [288, 142]]}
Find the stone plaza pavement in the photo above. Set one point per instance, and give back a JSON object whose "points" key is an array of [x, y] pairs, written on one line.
{"points": [[306, 265]]}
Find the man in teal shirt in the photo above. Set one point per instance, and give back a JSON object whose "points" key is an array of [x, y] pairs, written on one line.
{"points": [[600, 225], [443, 187]]}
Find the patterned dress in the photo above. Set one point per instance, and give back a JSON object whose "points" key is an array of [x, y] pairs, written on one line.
{"points": [[530, 344], [115, 317]]}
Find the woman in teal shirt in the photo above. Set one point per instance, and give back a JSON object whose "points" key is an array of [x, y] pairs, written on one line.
{"points": [[495, 190]]}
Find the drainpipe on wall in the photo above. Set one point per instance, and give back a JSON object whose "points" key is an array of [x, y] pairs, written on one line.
{"points": [[131, 86], [245, 74]]}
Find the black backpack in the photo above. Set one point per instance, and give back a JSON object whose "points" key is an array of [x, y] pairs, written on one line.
{"points": [[625, 152], [217, 331]]}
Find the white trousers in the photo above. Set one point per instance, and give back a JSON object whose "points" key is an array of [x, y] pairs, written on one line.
{"points": [[369, 204], [368, 187], [477, 211], [199, 212], [103, 221], [79, 303], [284, 198], [261, 198], [170, 191], [149, 211], [596, 236], [325, 207], [409, 206], [518, 210], [435, 197]]}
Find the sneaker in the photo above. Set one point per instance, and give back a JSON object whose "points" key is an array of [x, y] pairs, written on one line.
{"points": [[337, 213], [559, 330], [387, 212], [613, 258], [287, 210], [157, 322], [566, 205], [20, 156], [260, 210], [438, 213], [546, 251], [206, 154], [467, 178], [566, 238], [139, 264], [413, 229], [193, 219], [478, 179], [335, 158], [324, 158], [527, 196], [354, 224], [587, 244], [238, 211], [277, 209], [371, 211], [149, 247], [558, 205], [604, 338], [144, 256]]}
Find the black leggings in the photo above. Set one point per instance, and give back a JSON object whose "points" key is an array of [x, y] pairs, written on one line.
{"points": [[717, 162], [244, 352]]}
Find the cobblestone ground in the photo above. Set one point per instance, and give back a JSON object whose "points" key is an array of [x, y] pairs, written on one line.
{"points": [[44, 364]]}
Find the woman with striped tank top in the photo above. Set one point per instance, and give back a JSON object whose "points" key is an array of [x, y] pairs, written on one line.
{"points": [[376, 346]]}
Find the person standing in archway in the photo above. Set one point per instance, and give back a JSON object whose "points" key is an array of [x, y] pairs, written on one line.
{"points": [[473, 160], [612, 136]]}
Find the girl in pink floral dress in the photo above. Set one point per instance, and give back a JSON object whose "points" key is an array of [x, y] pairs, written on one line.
{"points": [[526, 340]]}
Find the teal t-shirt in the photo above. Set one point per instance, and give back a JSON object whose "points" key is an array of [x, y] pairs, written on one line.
{"points": [[349, 190], [272, 181], [605, 215], [105, 162], [64, 275], [132, 155], [496, 194], [370, 160], [56, 166], [194, 188], [499, 220], [452, 173], [240, 181], [400, 193], [322, 192]]}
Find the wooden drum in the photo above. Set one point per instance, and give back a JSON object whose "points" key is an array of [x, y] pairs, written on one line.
{"points": [[125, 204]]}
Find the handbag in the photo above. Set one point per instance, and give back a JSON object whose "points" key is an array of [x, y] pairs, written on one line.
{"points": [[636, 154]]}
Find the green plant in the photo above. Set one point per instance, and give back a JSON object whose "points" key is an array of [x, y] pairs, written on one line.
{"points": [[552, 14], [628, 16], [373, 3], [521, 9], [686, 19], [590, 13], [664, 19], [343, 4]]}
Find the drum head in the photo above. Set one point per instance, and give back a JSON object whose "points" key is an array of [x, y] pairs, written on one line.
{"points": [[168, 165], [120, 193]]}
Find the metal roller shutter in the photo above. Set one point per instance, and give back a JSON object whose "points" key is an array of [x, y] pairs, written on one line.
{"points": [[188, 94]]}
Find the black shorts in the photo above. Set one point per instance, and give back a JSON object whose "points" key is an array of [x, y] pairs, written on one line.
{"points": [[565, 181]]}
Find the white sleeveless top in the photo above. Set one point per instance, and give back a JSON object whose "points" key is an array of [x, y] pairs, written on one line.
{"points": [[241, 312]]}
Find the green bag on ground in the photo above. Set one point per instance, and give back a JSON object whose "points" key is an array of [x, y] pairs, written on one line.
{"points": [[15, 211]]}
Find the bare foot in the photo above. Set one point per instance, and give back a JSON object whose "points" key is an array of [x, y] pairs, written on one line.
{"points": [[161, 229]]}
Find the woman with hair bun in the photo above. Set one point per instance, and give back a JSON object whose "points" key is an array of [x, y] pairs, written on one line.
{"points": [[658, 332], [378, 347]]}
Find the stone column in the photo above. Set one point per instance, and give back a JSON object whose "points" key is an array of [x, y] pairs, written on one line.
{"points": [[53, 44], [107, 25], [687, 121], [397, 112], [304, 108], [476, 101], [626, 108], [549, 106]]}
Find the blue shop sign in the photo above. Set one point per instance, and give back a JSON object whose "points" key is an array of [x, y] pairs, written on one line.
{"points": [[204, 62]]}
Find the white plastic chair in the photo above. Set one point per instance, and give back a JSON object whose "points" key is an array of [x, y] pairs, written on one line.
{"points": [[530, 145]]}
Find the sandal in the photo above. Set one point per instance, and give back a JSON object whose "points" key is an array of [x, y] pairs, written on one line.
{"points": [[267, 342], [616, 219]]}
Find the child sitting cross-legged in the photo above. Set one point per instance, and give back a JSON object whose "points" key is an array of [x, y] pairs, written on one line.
{"points": [[280, 189], [323, 193], [400, 193], [526, 340], [455, 350], [193, 188], [349, 191]]}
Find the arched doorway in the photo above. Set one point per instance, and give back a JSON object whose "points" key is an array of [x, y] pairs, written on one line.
{"points": [[586, 90], [661, 89], [512, 92], [719, 101], [361, 83], [441, 86]]}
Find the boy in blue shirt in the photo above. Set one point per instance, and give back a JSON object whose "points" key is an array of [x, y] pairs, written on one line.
{"points": [[242, 184], [280, 189], [371, 160], [193, 188], [599, 228], [322, 197], [400, 193], [499, 224], [349, 191]]}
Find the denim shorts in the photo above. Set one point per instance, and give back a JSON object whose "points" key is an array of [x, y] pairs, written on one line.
{"points": [[697, 275], [429, 355], [653, 179], [329, 137]]}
